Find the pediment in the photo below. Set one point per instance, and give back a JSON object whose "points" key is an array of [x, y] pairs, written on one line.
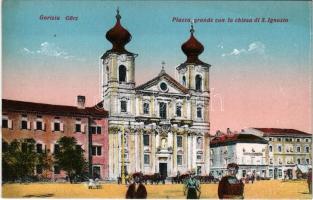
{"points": [[163, 83]]}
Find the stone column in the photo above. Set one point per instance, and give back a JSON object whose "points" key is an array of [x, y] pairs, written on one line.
{"points": [[113, 67], [132, 151], [206, 153], [117, 155], [184, 107], [193, 109], [111, 155], [191, 77], [174, 152], [141, 151], [206, 80], [140, 105], [133, 104], [137, 148], [152, 107], [189, 155], [153, 150], [171, 112], [193, 152]]}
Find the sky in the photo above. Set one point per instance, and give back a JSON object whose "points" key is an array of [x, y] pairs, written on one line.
{"points": [[260, 74]]}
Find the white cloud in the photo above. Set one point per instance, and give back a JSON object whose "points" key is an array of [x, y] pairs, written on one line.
{"points": [[27, 51], [257, 46], [51, 50], [254, 47], [237, 52], [220, 45]]}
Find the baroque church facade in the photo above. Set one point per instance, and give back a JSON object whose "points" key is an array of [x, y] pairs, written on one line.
{"points": [[165, 121]]}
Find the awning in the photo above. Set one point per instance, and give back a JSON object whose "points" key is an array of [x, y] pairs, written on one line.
{"points": [[303, 168]]}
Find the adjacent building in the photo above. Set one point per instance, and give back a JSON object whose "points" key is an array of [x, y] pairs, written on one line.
{"points": [[46, 123], [165, 121], [247, 150], [289, 150]]}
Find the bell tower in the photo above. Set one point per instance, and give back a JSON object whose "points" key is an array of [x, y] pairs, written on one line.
{"points": [[118, 72], [194, 75]]}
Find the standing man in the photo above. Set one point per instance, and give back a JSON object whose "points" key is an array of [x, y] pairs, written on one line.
{"points": [[310, 180], [136, 190], [192, 185], [230, 187], [253, 177]]}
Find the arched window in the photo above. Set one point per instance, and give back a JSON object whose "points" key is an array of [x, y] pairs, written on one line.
{"points": [[198, 83], [108, 73], [179, 157], [145, 108], [184, 80], [179, 141], [199, 143], [122, 73], [199, 112]]}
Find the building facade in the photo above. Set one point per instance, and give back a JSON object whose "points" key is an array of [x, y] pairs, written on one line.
{"points": [[165, 121], [46, 123], [288, 151], [247, 150]]}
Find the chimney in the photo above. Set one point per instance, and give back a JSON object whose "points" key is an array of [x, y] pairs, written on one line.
{"points": [[81, 102], [228, 131], [218, 133]]}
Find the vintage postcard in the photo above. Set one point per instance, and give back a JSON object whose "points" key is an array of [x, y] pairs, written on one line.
{"points": [[156, 99]]}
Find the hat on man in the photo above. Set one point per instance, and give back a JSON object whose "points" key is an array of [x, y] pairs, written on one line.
{"points": [[232, 165]]}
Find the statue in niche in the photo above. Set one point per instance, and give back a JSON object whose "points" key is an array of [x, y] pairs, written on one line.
{"points": [[164, 143]]}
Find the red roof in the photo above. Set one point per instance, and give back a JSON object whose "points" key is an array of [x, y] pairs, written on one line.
{"points": [[226, 139], [282, 132], [41, 108]]}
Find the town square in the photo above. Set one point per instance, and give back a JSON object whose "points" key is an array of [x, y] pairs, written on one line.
{"points": [[259, 190], [112, 101]]}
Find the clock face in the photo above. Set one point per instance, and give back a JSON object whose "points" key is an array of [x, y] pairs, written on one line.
{"points": [[123, 58], [163, 86]]}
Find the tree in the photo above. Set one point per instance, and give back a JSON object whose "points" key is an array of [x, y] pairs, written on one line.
{"points": [[70, 158], [45, 160], [19, 159]]}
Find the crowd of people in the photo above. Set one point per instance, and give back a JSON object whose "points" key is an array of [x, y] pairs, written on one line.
{"points": [[229, 187]]}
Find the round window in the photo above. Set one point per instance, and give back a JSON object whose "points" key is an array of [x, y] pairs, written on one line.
{"points": [[163, 86]]}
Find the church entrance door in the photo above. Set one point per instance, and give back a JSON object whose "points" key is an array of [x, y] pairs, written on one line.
{"points": [[163, 169]]}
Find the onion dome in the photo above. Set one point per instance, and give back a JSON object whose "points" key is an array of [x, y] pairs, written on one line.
{"points": [[192, 48], [118, 36]]}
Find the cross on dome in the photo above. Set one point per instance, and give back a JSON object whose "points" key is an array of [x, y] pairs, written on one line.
{"points": [[118, 35], [192, 48]]}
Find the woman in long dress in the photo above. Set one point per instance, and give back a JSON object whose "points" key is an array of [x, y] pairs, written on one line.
{"points": [[192, 186]]}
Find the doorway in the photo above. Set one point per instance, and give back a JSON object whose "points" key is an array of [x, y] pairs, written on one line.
{"points": [[289, 173], [163, 169], [275, 173], [96, 172]]}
